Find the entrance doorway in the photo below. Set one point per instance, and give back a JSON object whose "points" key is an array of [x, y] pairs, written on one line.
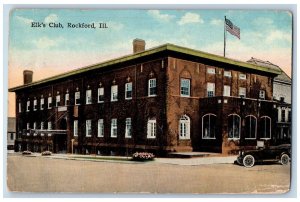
{"points": [[60, 139]]}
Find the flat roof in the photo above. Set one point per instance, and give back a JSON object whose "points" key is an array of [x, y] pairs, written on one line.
{"points": [[148, 52]]}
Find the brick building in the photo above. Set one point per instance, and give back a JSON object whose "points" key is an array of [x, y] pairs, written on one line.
{"points": [[168, 98]]}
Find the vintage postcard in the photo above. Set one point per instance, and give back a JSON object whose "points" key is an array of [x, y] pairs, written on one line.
{"points": [[150, 101]]}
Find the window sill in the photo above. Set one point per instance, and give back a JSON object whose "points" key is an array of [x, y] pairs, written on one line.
{"points": [[113, 136], [100, 136], [234, 139], [250, 138], [181, 138], [128, 137], [187, 96], [114, 100], [207, 138], [148, 137], [152, 95], [100, 101], [265, 138], [128, 98]]}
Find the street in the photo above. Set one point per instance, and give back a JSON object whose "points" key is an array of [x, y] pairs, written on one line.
{"points": [[40, 174]]}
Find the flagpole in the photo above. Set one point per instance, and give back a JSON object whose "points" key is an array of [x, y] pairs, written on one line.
{"points": [[224, 35]]}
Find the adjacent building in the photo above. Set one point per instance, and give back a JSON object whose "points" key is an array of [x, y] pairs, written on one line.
{"points": [[11, 133], [168, 98]]}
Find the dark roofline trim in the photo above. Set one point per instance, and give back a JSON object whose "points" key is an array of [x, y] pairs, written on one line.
{"points": [[165, 47]]}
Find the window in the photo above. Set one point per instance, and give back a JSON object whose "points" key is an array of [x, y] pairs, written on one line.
{"points": [[114, 93], [262, 94], [242, 92], [151, 129], [114, 128], [67, 99], [57, 101], [34, 105], [234, 126], [42, 103], [282, 115], [128, 128], [28, 106], [226, 91], [209, 126], [211, 70], [34, 127], [265, 127], [77, 98], [49, 127], [128, 90], [242, 76], [227, 73], [250, 127], [75, 128], [100, 128], [185, 87], [184, 127], [49, 102], [152, 87], [11, 136], [100, 95], [28, 127], [42, 128], [88, 97], [20, 109], [88, 128], [210, 89], [289, 116]]}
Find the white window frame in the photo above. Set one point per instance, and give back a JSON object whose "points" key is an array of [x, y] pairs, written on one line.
{"points": [[34, 104], [210, 88], [57, 100], [270, 135], [49, 102], [262, 94], [227, 90], [184, 127], [242, 92], [20, 105], [34, 128], [88, 96], [27, 128], [114, 93], [128, 88], [207, 137], [227, 74], [128, 128], [67, 99], [49, 127], [88, 128], [242, 76], [239, 133], [100, 128], [211, 70], [77, 97], [75, 128], [151, 129], [42, 128], [28, 106], [152, 84], [42, 103], [185, 86], [251, 138], [114, 128], [100, 93]]}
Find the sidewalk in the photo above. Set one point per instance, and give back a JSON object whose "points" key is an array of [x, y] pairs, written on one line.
{"points": [[123, 159]]}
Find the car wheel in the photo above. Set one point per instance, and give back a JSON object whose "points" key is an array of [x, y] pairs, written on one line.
{"points": [[248, 161], [284, 159]]}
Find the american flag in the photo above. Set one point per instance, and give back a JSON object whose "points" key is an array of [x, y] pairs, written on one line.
{"points": [[232, 29]]}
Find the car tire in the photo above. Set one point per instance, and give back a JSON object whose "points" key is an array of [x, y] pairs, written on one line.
{"points": [[284, 159], [248, 161]]}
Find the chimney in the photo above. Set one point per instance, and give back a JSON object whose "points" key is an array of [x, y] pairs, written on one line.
{"points": [[138, 45], [27, 75]]}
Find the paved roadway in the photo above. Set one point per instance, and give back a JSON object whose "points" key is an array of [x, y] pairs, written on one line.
{"points": [[40, 174]]}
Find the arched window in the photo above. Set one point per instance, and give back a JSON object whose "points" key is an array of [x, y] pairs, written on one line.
{"points": [[234, 126], [184, 127], [250, 127], [265, 127], [209, 126]]}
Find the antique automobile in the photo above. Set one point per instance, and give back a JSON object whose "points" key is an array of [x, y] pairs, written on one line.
{"points": [[262, 153]]}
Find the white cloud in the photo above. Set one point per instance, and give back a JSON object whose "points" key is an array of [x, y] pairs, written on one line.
{"points": [[278, 35], [24, 20], [216, 22], [45, 42], [190, 18], [262, 21], [159, 16], [51, 18], [115, 25]]}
